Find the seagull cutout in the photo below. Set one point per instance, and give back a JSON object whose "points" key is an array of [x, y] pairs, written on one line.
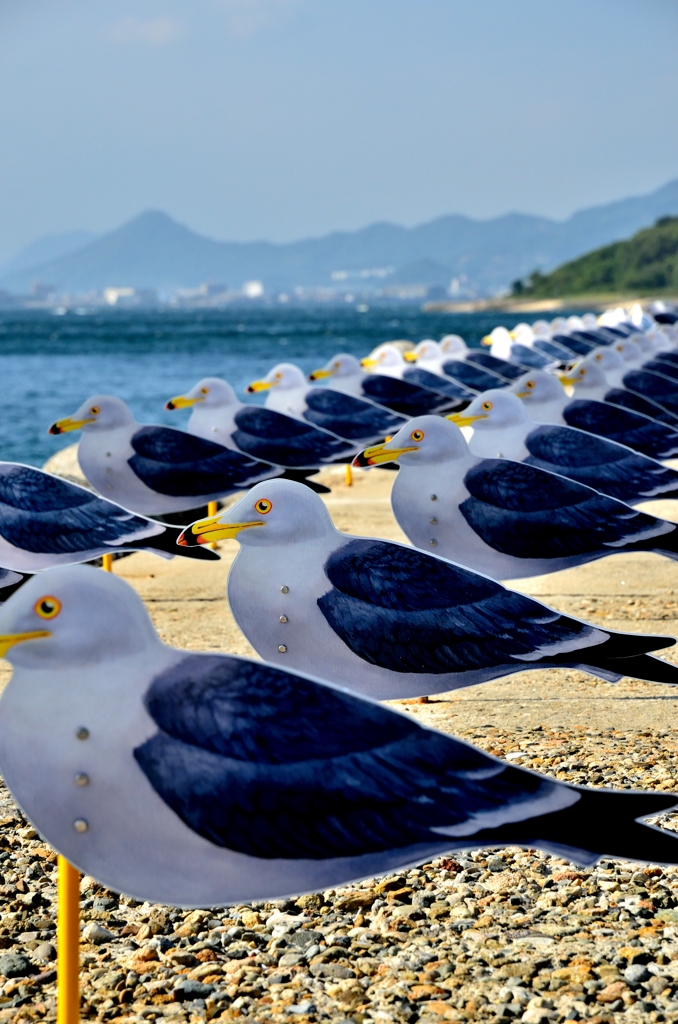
{"points": [[524, 348], [614, 367], [216, 414], [135, 760], [547, 402], [498, 427], [152, 469], [502, 518], [390, 621], [355, 419], [388, 361], [345, 374], [46, 521], [431, 356]]}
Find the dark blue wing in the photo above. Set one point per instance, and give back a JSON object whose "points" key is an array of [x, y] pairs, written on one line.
{"points": [[603, 465], [406, 398], [665, 367], [667, 357], [656, 386], [172, 462], [511, 371], [45, 515], [527, 513], [473, 376], [623, 426], [553, 350], [426, 379], [281, 439], [407, 611], [575, 344], [269, 764], [631, 400], [348, 416]]}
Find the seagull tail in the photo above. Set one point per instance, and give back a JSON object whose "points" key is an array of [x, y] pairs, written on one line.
{"points": [[165, 543], [666, 545], [642, 666], [602, 823]]}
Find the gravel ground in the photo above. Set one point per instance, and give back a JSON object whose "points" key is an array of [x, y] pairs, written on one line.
{"points": [[489, 936]]}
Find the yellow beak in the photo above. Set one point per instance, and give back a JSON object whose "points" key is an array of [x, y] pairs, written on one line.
{"points": [[260, 385], [380, 453], [411, 356], [487, 340], [464, 421], [183, 402], [320, 374], [522, 394], [64, 426], [207, 530], [10, 639], [369, 364], [564, 379]]}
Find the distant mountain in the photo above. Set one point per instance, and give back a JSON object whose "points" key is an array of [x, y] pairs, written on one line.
{"points": [[646, 263], [46, 249], [483, 257]]}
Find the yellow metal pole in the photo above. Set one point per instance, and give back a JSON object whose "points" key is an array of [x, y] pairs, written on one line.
{"points": [[68, 944], [349, 475], [107, 563], [212, 510]]}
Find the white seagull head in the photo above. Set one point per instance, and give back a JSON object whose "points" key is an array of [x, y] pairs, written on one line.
{"points": [[491, 410], [426, 351], [425, 440], [270, 513], [629, 350], [341, 365], [285, 376], [100, 412], [72, 616], [387, 356], [585, 374], [452, 345], [607, 357], [537, 386], [211, 392]]}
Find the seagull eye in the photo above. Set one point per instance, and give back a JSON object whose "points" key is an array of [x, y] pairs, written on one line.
{"points": [[529, 384], [486, 406], [620, 348], [417, 435], [204, 391], [47, 607], [95, 410], [278, 376], [582, 372], [599, 357], [337, 365], [263, 506]]}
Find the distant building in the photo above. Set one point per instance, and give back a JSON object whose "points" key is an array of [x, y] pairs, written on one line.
{"points": [[253, 290]]}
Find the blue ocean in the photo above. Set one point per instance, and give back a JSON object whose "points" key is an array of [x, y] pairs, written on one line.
{"points": [[50, 364]]}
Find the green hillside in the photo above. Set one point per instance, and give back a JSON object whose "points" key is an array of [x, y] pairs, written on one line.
{"points": [[645, 264]]}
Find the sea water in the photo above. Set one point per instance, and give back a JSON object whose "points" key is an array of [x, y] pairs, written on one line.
{"points": [[50, 364]]}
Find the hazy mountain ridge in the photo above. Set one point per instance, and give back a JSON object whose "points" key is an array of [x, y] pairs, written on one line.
{"points": [[154, 251]]}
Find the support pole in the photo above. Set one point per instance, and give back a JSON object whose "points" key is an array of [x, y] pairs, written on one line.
{"points": [[349, 475], [107, 563], [212, 509], [68, 943]]}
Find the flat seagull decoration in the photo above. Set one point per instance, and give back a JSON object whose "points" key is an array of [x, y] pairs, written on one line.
{"points": [[46, 521], [152, 469], [389, 361], [344, 373], [217, 415], [134, 760], [547, 402], [502, 429], [387, 620], [288, 391], [502, 518]]}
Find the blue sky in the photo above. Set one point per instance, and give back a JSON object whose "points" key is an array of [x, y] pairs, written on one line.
{"points": [[281, 119]]}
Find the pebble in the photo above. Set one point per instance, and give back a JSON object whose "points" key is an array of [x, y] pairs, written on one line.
{"points": [[491, 935]]}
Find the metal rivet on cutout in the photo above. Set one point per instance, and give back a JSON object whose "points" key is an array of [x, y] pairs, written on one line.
{"points": [[284, 590], [80, 825], [81, 779], [433, 521], [283, 618], [433, 543], [282, 649], [82, 733], [434, 497]]}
